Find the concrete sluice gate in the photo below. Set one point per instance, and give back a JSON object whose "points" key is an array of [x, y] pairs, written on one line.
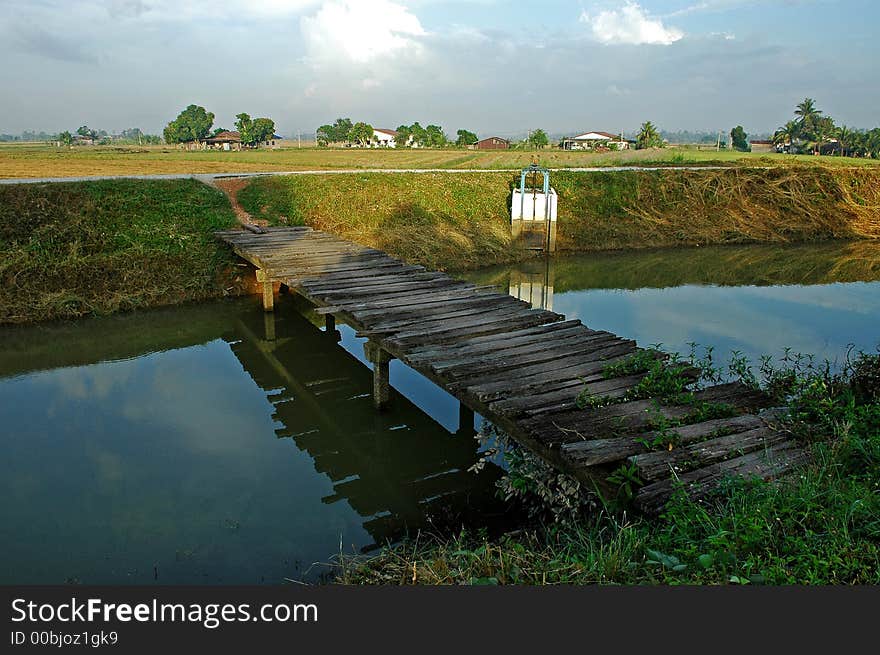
{"points": [[533, 210]]}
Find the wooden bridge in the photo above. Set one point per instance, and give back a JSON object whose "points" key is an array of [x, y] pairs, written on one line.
{"points": [[524, 368]]}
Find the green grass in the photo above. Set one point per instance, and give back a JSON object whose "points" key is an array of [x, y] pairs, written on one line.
{"points": [[820, 525], [462, 221], [69, 250]]}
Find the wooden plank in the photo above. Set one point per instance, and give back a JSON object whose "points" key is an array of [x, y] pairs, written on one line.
{"points": [[765, 464], [594, 452], [387, 290], [446, 335], [659, 465], [547, 351], [430, 319], [517, 384], [487, 344]]}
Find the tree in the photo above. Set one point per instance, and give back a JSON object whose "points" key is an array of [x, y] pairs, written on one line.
{"points": [[245, 127], [466, 138], [787, 134], [434, 137], [404, 134], [649, 137], [361, 133], [739, 139], [538, 138], [192, 124], [263, 129], [66, 138], [847, 138], [84, 131]]}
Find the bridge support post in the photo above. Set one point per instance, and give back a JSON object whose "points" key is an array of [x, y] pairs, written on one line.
{"points": [[268, 291], [465, 420], [381, 382], [330, 323], [269, 325]]}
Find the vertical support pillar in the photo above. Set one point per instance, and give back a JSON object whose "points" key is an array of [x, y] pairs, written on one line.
{"points": [[465, 420], [269, 325], [268, 291], [381, 382], [330, 323]]}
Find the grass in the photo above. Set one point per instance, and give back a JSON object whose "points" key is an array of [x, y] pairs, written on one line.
{"points": [[36, 160], [69, 250], [463, 221], [820, 525]]}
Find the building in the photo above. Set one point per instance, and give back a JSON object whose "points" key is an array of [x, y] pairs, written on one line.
{"points": [[595, 141], [224, 141], [762, 146], [383, 138], [493, 143]]}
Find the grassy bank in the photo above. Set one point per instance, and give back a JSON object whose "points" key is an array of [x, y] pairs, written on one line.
{"points": [[820, 525], [68, 250], [462, 221]]}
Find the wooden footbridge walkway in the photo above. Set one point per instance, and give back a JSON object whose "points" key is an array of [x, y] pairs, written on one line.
{"points": [[523, 368]]}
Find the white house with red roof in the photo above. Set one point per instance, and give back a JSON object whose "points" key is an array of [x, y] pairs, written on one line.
{"points": [[594, 140], [383, 138]]}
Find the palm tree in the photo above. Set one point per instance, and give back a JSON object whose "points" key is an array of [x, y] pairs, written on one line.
{"points": [[786, 135], [648, 137], [846, 138]]}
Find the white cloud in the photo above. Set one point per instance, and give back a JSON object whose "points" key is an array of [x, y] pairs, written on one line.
{"points": [[630, 25], [359, 31]]}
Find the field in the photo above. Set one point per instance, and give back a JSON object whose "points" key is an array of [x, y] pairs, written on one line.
{"points": [[37, 160]]}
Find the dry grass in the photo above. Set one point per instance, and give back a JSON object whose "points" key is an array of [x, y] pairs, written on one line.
{"points": [[21, 161], [463, 221]]}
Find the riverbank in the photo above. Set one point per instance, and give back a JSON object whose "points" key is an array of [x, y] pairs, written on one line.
{"points": [[819, 526], [76, 249], [462, 222]]}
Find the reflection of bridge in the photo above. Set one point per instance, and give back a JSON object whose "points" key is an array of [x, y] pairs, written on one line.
{"points": [[400, 470], [523, 367]]}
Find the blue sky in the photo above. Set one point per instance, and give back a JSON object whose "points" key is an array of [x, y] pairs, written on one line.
{"points": [[493, 66]]}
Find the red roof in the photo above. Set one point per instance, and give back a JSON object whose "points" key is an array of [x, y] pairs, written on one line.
{"points": [[225, 136]]}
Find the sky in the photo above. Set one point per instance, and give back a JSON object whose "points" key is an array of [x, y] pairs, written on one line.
{"points": [[496, 67]]}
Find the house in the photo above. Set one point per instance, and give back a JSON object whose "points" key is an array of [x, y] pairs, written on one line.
{"points": [[595, 140], [224, 141], [493, 143], [383, 138], [760, 145]]}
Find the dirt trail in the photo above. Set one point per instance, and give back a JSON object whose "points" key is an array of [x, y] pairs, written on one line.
{"points": [[231, 186]]}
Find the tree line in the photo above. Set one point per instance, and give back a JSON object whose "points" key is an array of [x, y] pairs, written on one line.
{"points": [[194, 124], [344, 130], [811, 130]]}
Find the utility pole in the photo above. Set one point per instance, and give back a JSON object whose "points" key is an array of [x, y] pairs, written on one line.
{"points": [[299, 139]]}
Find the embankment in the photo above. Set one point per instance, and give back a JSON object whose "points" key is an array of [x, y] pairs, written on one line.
{"points": [[68, 250], [462, 221]]}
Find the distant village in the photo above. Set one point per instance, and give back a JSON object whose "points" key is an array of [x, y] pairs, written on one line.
{"points": [[810, 132]]}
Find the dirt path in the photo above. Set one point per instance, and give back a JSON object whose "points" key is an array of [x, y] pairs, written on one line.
{"points": [[231, 186]]}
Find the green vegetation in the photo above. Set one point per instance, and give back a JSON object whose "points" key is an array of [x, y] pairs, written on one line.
{"points": [[462, 221], [649, 137], [813, 132], [538, 139], [68, 250], [820, 525], [441, 221], [254, 130], [739, 140], [192, 124]]}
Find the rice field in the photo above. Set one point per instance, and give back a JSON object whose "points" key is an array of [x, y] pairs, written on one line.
{"points": [[40, 160]]}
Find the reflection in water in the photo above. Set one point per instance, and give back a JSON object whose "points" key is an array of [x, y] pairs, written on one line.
{"points": [[815, 299], [533, 282], [175, 467]]}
